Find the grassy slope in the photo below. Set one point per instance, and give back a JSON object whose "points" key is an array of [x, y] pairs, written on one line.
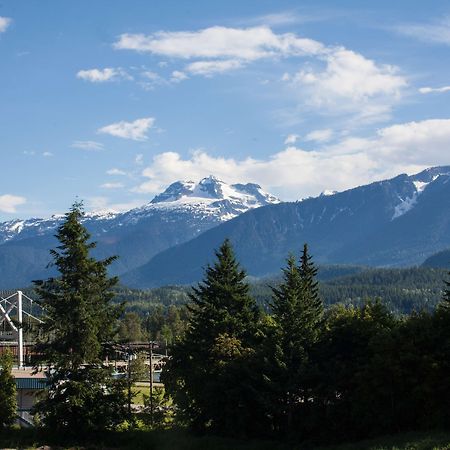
{"points": [[179, 440]]}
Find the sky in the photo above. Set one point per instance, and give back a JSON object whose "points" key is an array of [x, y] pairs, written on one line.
{"points": [[111, 101]]}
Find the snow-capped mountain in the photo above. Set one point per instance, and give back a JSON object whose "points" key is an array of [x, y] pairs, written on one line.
{"points": [[213, 197], [184, 210], [210, 197], [394, 222]]}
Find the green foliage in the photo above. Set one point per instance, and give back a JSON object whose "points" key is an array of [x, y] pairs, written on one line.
{"points": [[8, 402], [206, 374], [297, 314], [78, 319], [179, 439], [138, 371], [130, 328], [163, 409], [445, 303]]}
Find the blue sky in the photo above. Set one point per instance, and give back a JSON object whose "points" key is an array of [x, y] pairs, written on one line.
{"points": [[112, 101]]}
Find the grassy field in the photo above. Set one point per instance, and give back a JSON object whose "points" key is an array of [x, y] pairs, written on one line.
{"points": [[180, 440]]}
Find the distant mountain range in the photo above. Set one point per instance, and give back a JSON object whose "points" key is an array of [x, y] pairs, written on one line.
{"points": [[438, 260], [183, 211], [396, 222]]}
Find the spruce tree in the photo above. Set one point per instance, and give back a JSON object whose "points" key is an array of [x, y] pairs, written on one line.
{"points": [[297, 314], [206, 374], [8, 401], [78, 319], [311, 302]]}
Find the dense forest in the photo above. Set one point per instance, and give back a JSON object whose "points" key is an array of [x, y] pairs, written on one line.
{"points": [[304, 371], [162, 311]]}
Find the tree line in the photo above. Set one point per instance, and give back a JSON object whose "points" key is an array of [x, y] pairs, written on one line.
{"points": [[302, 371]]}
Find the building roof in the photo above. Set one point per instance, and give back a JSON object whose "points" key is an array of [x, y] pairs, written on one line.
{"points": [[31, 383]]}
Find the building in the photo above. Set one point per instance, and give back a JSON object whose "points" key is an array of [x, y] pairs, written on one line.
{"points": [[28, 386]]}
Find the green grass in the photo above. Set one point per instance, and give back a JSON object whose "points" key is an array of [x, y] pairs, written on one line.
{"points": [[140, 389], [180, 440], [406, 441]]}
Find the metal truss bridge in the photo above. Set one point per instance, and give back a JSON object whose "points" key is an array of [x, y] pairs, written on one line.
{"points": [[16, 311]]}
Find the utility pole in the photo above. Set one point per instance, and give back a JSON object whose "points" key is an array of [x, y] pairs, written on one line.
{"points": [[151, 381], [129, 380], [20, 327]]}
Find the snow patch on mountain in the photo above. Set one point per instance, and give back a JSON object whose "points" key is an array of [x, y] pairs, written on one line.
{"points": [[212, 196], [408, 203], [327, 193], [420, 185]]}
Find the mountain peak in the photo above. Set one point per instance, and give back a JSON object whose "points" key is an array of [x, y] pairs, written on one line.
{"points": [[175, 191], [213, 192]]}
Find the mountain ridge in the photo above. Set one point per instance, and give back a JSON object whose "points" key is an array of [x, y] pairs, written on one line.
{"points": [[348, 227]]}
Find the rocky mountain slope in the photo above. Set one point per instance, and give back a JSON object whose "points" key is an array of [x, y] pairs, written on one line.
{"points": [[396, 222]]}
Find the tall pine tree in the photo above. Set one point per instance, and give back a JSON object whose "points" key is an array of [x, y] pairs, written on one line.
{"points": [[311, 302], [206, 373], [297, 315], [79, 317]]}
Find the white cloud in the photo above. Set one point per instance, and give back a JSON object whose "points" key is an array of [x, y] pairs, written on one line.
{"points": [[9, 203], [319, 135], [178, 76], [102, 75], [116, 171], [112, 185], [139, 159], [103, 205], [151, 79], [150, 75], [429, 90], [292, 173], [47, 154], [137, 130], [247, 44], [88, 145], [5, 22], [437, 32], [291, 139], [295, 172], [349, 83], [279, 19], [334, 81], [420, 143], [208, 68]]}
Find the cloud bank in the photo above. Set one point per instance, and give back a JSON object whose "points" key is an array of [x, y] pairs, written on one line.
{"points": [[334, 80], [9, 203], [295, 173]]}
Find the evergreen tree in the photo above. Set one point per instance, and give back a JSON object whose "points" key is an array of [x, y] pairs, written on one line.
{"points": [[78, 319], [8, 401], [445, 302], [206, 373], [311, 303], [297, 314]]}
